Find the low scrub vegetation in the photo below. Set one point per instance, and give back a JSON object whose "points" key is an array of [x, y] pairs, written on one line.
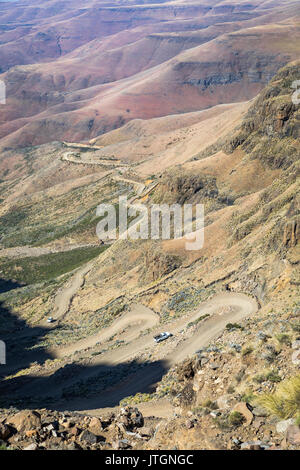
{"points": [[31, 270], [284, 402]]}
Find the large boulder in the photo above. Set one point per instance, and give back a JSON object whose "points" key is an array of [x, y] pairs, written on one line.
{"points": [[25, 420], [95, 426], [130, 417], [88, 437], [5, 431]]}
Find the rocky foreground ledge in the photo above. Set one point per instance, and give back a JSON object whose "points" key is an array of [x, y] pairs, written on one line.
{"points": [[52, 430], [127, 429]]}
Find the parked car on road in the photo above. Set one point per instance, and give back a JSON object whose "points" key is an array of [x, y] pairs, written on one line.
{"points": [[162, 336], [50, 320]]}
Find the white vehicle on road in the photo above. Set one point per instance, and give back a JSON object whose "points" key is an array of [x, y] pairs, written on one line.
{"points": [[162, 336], [50, 320]]}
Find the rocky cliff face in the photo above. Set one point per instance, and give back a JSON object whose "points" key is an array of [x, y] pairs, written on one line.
{"points": [[291, 235], [179, 186], [271, 129], [270, 135]]}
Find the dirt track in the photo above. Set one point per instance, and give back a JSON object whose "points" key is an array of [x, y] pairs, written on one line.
{"points": [[139, 318], [65, 295], [222, 308]]}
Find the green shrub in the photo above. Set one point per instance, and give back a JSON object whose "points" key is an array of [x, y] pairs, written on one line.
{"points": [[283, 338], [31, 270], [235, 419], [234, 326], [273, 377], [247, 397], [247, 350], [212, 405]]}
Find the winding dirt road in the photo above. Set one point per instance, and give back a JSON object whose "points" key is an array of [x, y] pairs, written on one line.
{"points": [[221, 309], [138, 319], [65, 295]]}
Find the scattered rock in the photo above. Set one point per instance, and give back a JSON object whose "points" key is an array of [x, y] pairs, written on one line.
{"points": [[31, 433], [130, 417], [88, 437], [283, 425], [204, 361], [258, 422], [95, 426], [262, 336], [189, 424], [75, 431], [49, 428], [293, 435], [66, 423], [253, 445], [214, 366], [121, 444], [223, 402], [185, 370], [25, 420], [236, 441], [73, 446], [296, 357], [235, 346], [32, 446], [5, 431], [146, 431]]}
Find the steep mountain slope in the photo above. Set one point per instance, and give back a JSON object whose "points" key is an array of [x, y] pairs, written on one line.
{"points": [[191, 125], [248, 180]]}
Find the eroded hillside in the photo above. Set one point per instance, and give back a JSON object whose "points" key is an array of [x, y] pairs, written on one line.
{"points": [[78, 314], [107, 310]]}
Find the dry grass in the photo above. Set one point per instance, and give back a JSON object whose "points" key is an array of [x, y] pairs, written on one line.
{"points": [[284, 402]]}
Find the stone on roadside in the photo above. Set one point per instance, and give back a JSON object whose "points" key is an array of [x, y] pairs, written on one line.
{"points": [[146, 431], [214, 366]]}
